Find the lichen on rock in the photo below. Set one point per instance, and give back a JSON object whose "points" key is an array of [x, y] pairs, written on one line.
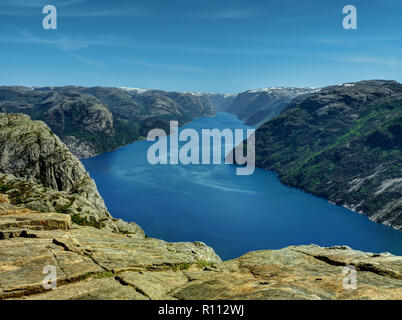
{"points": [[39, 171]]}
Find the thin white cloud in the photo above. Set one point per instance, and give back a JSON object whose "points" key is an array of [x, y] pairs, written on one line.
{"points": [[38, 3], [94, 14], [31, 9], [62, 42], [351, 40], [66, 43], [165, 66], [84, 59], [227, 14], [389, 62], [132, 12]]}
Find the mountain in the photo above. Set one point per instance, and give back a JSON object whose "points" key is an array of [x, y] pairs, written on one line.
{"points": [[343, 143], [38, 170], [96, 120], [220, 101], [51, 215], [257, 106]]}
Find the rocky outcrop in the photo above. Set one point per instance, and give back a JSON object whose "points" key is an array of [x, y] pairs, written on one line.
{"points": [[84, 125], [82, 148], [43, 175], [343, 143], [97, 264], [84, 257]]}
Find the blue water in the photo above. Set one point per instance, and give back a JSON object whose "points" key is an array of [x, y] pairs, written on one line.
{"points": [[233, 214]]}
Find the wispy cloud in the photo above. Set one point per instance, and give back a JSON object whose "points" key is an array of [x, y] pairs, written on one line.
{"points": [[84, 59], [137, 11], [99, 13], [165, 66], [66, 43], [228, 14], [62, 42], [389, 62], [38, 3], [31, 7], [351, 40]]}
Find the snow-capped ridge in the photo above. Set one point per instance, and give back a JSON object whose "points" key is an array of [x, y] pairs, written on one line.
{"points": [[138, 90]]}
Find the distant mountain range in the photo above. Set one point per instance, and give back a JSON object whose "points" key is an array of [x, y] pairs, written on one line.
{"points": [[96, 120], [257, 106]]}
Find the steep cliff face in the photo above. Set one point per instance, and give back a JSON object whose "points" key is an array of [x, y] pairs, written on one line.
{"points": [[95, 120], [342, 143], [86, 126], [257, 106], [50, 177]]}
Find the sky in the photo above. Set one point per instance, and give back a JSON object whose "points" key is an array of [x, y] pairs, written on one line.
{"points": [[210, 46]]}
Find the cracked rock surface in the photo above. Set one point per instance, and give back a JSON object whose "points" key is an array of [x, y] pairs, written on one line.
{"points": [[93, 263], [38, 171]]}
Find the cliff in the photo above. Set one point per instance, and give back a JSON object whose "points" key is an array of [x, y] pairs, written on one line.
{"points": [[43, 175], [343, 143]]}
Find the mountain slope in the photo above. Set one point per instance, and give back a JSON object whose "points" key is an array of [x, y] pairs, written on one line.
{"points": [[343, 143], [219, 101], [96, 120], [257, 106]]}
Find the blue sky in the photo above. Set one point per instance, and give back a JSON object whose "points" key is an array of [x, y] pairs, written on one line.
{"points": [[187, 45]]}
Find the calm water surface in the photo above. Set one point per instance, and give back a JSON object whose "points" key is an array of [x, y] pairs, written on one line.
{"points": [[233, 214]]}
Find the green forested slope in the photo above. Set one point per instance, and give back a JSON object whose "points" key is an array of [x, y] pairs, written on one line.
{"points": [[343, 143]]}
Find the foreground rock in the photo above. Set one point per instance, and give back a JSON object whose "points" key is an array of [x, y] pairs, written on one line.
{"points": [[38, 171], [84, 257], [98, 264]]}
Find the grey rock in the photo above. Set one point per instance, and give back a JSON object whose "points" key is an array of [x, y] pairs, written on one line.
{"points": [[43, 175], [257, 106]]}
